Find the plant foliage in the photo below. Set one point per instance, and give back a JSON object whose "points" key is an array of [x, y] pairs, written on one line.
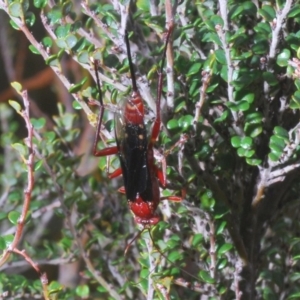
{"points": [[230, 139]]}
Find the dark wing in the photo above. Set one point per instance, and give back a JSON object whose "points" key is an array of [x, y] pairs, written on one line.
{"points": [[132, 143]]}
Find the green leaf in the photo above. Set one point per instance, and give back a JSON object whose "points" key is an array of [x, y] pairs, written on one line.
{"points": [[246, 142], [249, 8], [282, 133], [197, 239], [236, 11], [253, 161], [14, 25], [2, 243], [232, 106], [71, 40], [245, 152], [225, 248], [263, 28], [207, 200], [38, 123], [220, 56], [267, 12], [83, 291], [20, 148], [17, 86], [261, 47], [175, 256], [60, 53], [17, 107], [179, 107], [51, 59], [242, 9], [49, 136], [55, 16], [253, 130], [143, 5], [236, 141], [223, 117], [54, 287], [83, 57], [76, 105], [240, 33], [295, 101], [254, 118], [194, 69], [224, 73], [295, 11], [276, 140], [242, 105], [294, 295], [172, 124], [67, 8], [8, 239], [47, 42], [13, 217], [33, 49], [206, 277], [77, 87], [62, 31], [61, 43], [270, 78], [221, 228], [40, 3], [30, 19], [15, 9], [205, 152], [249, 98], [283, 58], [276, 149], [38, 165], [222, 264], [185, 121], [274, 156], [297, 84], [75, 27]]}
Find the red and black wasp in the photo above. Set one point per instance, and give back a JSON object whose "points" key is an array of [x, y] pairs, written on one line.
{"points": [[141, 175]]}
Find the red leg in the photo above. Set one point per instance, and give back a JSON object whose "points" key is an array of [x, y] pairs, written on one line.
{"points": [[161, 176], [104, 152], [122, 190], [176, 198], [115, 173], [172, 198]]}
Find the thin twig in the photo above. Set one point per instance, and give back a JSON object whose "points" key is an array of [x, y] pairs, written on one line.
{"points": [[30, 181], [170, 58], [43, 276], [222, 32], [151, 267], [206, 76]]}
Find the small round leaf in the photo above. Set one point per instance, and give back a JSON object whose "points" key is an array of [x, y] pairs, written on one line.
{"points": [[236, 141], [15, 9], [13, 217], [206, 277], [283, 58]]}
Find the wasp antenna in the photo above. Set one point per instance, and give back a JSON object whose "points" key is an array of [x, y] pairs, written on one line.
{"points": [[168, 34], [133, 80], [160, 77], [134, 239], [96, 62]]}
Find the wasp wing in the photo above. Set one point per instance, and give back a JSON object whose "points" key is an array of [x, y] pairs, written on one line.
{"points": [[132, 144]]}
